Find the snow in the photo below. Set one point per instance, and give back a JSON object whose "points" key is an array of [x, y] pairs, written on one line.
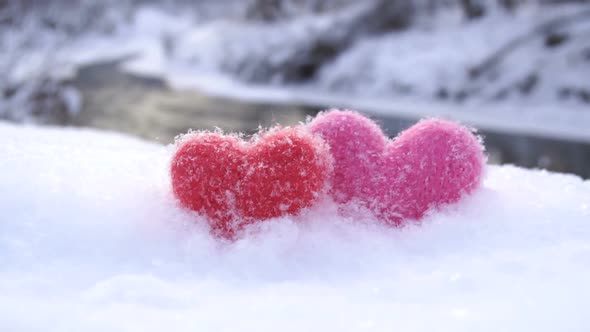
{"points": [[432, 56], [437, 54], [91, 239], [214, 48]]}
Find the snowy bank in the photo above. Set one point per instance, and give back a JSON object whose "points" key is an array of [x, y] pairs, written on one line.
{"points": [[91, 239], [536, 55]]}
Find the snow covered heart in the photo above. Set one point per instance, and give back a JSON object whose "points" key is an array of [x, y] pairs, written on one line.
{"points": [[342, 154], [432, 163], [235, 183]]}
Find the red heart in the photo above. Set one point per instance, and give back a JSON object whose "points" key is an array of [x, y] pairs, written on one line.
{"points": [[236, 183], [433, 163]]}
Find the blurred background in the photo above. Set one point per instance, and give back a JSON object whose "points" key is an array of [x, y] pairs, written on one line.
{"points": [[517, 70]]}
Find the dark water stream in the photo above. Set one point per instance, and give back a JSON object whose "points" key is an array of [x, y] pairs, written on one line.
{"points": [[146, 107]]}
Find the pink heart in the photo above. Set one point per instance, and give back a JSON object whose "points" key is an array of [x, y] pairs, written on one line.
{"points": [[432, 163]]}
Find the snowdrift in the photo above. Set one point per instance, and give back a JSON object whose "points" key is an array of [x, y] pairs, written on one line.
{"points": [[91, 239]]}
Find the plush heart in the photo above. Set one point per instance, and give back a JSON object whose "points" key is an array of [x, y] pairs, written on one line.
{"points": [[432, 163], [235, 183]]}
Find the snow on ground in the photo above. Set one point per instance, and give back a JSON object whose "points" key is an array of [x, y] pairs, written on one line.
{"points": [[437, 54], [374, 73], [399, 74], [432, 57], [91, 239]]}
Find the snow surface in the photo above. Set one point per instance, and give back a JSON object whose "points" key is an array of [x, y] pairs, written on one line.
{"points": [[394, 74], [433, 55], [91, 239]]}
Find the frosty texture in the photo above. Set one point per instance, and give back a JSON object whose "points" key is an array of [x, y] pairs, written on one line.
{"points": [[432, 163], [235, 183]]}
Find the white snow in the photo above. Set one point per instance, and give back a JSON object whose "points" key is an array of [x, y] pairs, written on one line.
{"points": [[433, 55], [215, 53], [438, 53], [91, 239]]}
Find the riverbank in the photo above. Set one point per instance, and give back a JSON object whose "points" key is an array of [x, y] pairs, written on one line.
{"points": [[148, 107]]}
